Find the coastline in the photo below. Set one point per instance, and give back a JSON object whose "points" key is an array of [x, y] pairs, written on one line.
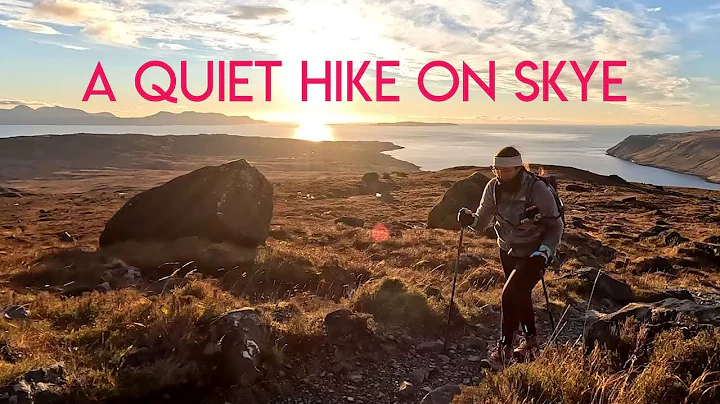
{"points": [[667, 168]]}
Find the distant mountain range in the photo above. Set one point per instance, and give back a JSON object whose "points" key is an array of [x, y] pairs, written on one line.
{"points": [[24, 115]]}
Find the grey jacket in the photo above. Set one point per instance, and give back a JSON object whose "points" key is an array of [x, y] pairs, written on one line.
{"points": [[522, 239]]}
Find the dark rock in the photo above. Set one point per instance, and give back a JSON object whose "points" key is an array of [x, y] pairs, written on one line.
{"points": [[712, 239], [476, 343], [370, 178], [605, 329], [386, 176], [577, 188], [350, 221], [710, 252], [345, 323], [653, 232], [432, 291], [137, 357], [35, 386], [651, 264], [430, 347], [418, 376], [14, 312], [465, 193], [629, 199], [237, 344], [442, 395], [614, 229], [672, 238], [578, 223], [680, 294], [606, 286], [232, 202], [662, 223], [65, 237]]}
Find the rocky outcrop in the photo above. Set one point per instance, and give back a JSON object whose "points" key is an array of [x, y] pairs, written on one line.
{"points": [[605, 329], [237, 345], [605, 287], [228, 203], [465, 193], [36, 386]]}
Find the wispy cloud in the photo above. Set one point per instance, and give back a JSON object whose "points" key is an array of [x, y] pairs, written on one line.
{"points": [[654, 9], [30, 27], [257, 12], [26, 103], [62, 45], [172, 46]]}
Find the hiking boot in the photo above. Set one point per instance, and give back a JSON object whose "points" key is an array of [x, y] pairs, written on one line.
{"points": [[498, 359], [528, 348]]}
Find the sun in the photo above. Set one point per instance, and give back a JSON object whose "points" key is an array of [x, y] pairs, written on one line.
{"points": [[314, 131]]}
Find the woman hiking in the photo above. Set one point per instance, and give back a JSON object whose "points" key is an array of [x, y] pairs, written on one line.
{"points": [[529, 227]]}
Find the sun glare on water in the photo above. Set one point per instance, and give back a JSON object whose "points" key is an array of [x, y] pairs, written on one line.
{"points": [[314, 132]]}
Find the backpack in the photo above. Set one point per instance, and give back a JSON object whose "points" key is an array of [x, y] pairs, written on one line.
{"points": [[551, 182]]}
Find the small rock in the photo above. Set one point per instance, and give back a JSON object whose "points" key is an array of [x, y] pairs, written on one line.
{"points": [[352, 400], [350, 221], [355, 378], [430, 346], [444, 358], [65, 237], [14, 312], [427, 388], [442, 395], [466, 381], [406, 389], [474, 358], [418, 376]]}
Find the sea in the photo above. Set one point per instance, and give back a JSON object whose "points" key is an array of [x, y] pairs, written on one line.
{"points": [[435, 147]]}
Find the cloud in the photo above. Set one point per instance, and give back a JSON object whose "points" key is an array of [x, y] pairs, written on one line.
{"points": [[654, 10], [65, 11], [30, 27], [111, 33], [172, 46], [72, 47], [257, 12], [22, 102]]}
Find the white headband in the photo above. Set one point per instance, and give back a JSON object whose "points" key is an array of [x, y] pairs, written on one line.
{"points": [[514, 161]]}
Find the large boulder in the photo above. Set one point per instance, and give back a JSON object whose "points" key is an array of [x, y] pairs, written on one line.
{"points": [[232, 202], [605, 329], [237, 345], [465, 193]]}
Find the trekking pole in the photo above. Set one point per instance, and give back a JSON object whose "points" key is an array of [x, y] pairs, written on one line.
{"points": [[547, 304], [452, 295]]}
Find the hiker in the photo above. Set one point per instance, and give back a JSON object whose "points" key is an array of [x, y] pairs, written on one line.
{"points": [[529, 226]]}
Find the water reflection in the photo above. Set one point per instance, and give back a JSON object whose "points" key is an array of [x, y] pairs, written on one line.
{"points": [[314, 132]]}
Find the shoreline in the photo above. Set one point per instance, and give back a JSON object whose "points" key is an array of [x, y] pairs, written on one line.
{"points": [[678, 171]]}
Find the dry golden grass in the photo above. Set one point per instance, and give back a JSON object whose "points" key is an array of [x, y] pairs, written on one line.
{"points": [[311, 267], [679, 370]]}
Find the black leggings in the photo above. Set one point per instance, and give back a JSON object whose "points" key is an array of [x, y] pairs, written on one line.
{"points": [[521, 274]]}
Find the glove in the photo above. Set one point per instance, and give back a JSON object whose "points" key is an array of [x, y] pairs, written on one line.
{"points": [[543, 252], [465, 217]]}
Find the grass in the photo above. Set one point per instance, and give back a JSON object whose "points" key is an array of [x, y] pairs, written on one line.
{"points": [[679, 370], [313, 267]]}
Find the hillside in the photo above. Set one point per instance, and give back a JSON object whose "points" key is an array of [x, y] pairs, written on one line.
{"points": [[696, 153], [84, 155], [353, 290], [24, 115]]}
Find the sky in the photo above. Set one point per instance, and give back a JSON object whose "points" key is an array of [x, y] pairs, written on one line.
{"points": [[50, 49]]}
